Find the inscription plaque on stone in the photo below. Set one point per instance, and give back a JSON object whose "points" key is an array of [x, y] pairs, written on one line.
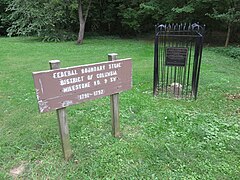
{"points": [[176, 56], [67, 86]]}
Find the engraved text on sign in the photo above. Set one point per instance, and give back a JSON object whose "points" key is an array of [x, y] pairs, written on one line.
{"points": [[176, 56], [67, 86]]}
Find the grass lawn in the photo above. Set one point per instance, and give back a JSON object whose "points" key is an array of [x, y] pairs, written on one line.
{"points": [[162, 138]]}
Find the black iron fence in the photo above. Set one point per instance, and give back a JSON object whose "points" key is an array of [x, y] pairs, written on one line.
{"points": [[177, 59]]}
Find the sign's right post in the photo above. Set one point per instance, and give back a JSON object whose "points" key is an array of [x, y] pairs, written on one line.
{"points": [[114, 105]]}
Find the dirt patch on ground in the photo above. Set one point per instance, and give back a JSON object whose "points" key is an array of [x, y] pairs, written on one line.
{"points": [[17, 171], [233, 96]]}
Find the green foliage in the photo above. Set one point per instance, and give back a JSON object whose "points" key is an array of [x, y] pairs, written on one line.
{"points": [[162, 138], [57, 20], [4, 22], [42, 18], [227, 11], [186, 9], [230, 51], [130, 18], [31, 21], [58, 35]]}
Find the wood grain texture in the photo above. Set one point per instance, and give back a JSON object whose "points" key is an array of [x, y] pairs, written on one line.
{"points": [[115, 105]]}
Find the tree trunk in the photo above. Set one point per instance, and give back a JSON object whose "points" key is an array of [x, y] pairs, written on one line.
{"points": [[81, 23], [82, 20], [228, 35], [81, 33]]}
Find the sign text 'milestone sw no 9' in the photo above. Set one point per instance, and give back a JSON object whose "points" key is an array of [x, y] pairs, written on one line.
{"points": [[63, 87]]}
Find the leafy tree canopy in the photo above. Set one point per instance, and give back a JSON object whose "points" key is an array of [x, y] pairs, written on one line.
{"points": [[55, 20]]}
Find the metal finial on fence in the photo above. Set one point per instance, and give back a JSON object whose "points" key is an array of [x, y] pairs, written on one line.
{"points": [[184, 26], [174, 27], [189, 26]]}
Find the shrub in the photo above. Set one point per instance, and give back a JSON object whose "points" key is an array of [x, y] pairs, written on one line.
{"points": [[231, 51]]}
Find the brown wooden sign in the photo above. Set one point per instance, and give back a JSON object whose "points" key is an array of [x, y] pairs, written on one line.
{"points": [[63, 87]]}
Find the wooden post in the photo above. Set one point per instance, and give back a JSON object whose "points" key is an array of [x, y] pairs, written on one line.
{"points": [[62, 121], [114, 105]]}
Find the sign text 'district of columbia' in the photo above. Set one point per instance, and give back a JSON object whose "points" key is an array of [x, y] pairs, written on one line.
{"points": [[67, 86]]}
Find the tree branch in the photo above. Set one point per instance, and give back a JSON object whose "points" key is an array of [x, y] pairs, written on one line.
{"points": [[86, 15]]}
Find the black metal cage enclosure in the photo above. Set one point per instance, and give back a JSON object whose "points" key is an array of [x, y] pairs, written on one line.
{"points": [[177, 59]]}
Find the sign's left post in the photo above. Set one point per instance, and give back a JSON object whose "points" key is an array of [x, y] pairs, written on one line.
{"points": [[62, 121]]}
